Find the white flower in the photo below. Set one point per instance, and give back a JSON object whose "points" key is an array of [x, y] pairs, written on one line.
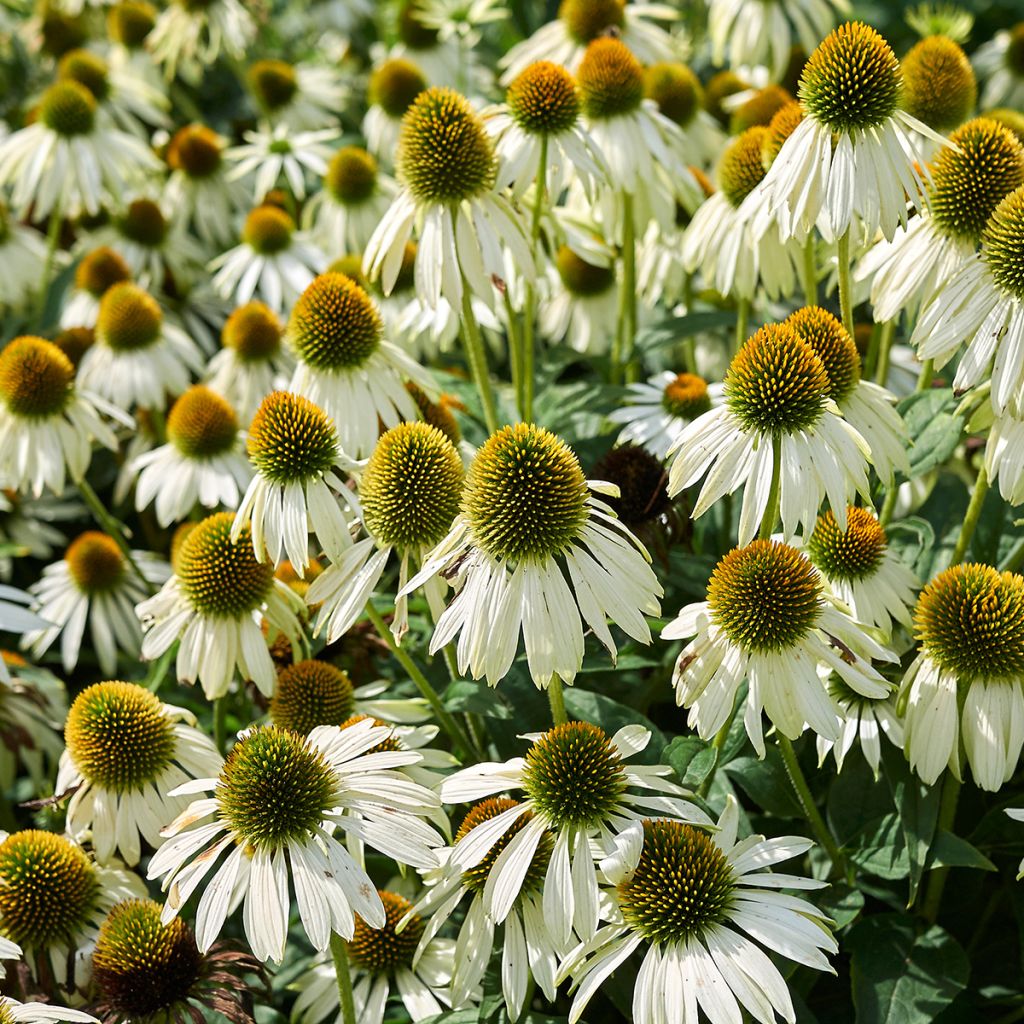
{"points": [[23, 254], [188, 38], [581, 305], [1018, 815], [863, 719], [1004, 456], [33, 703], [41, 1013], [302, 96], [98, 270], [1002, 77], [269, 155]]}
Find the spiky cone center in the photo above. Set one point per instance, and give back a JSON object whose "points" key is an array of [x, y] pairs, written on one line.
{"points": [[641, 480], [1003, 244], [543, 99], [783, 123], [275, 788], [60, 32], [95, 562], [351, 176], [311, 693], [291, 440], [129, 23], [760, 108], [411, 487], [412, 30], [740, 170], [129, 318], [394, 85], [389, 744], [611, 80], [970, 621], [268, 230], [221, 578], [74, 342], [585, 20], [852, 81], [475, 878], [68, 108], [676, 90], [142, 966], [582, 279], [201, 424], [719, 88], [971, 177], [1015, 50], [253, 332], [1012, 119], [273, 83], [438, 414], [444, 153], [351, 266], [939, 87], [831, 343], [99, 270], [196, 151], [851, 554], [525, 495], [118, 736], [765, 597], [686, 396], [574, 775], [143, 222], [86, 68], [335, 324], [385, 950], [36, 378], [48, 889], [683, 885], [776, 383]]}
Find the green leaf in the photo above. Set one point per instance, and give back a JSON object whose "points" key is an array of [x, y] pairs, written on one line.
{"points": [[879, 848], [476, 696], [671, 331], [900, 977], [949, 850], [766, 783], [842, 903], [612, 716], [912, 540], [933, 426], [691, 759]]}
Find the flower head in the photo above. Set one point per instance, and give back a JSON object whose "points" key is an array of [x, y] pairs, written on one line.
{"points": [[939, 87]]}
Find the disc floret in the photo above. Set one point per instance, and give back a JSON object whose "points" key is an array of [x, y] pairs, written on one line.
{"points": [[99, 270], [741, 168], [335, 324], [95, 563], [1003, 240], [475, 878], [582, 279], [201, 424], [831, 343], [939, 84], [686, 396], [68, 108], [196, 151], [36, 378], [611, 80], [386, 950], [585, 20], [676, 90], [311, 693], [268, 230], [851, 554], [543, 99], [253, 332], [291, 440], [129, 319]]}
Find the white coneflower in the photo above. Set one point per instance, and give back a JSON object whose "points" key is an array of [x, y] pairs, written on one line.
{"points": [[1000, 64], [303, 96], [939, 86], [47, 424], [69, 156], [278, 155], [215, 604], [201, 464], [983, 304], [189, 35], [747, 33], [198, 187], [126, 750], [97, 271], [40, 1013], [251, 362], [582, 307], [529, 517], [1017, 813], [275, 804], [767, 620], [93, 586], [54, 897], [139, 358], [658, 410], [693, 902], [1004, 456], [850, 158], [677, 91], [380, 958], [966, 686], [864, 720], [346, 367], [393, 85], [580, 22], [273, 263], [409, 492], [777, 423], [297, 489], [33, 703], [968, 182], [342, 216], [23, 253], [33, 526], [448, 174]]}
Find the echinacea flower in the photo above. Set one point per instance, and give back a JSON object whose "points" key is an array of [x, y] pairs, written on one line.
{"points": [[276, 804], [393, 85], [693, 902], [23, 253], [1000, 66], [33, 703], [528, 516], [409, 492], [189, 36], [939, 87], [277, 155], [865, 720], [304, 96], [657, 410], [97, 271], [966, 686], [126, 750], [214, 603], [769, 621], [94, 586], [41, 1013], [582, 306]]}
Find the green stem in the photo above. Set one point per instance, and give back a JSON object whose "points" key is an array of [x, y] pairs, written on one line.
{"points": [[515, 349], [477, 357], [885, 340], [717, 744], [803, 792], [970, 522], [443, 715], [889, 505], [937, 877], [845, 285], [810, 271], [771, 512], [220, 722], [556, 698], [742, 322], [52, 241], [1015, 559], [926, 376], [114, 528], [528, 355], [339, 954], [632, 368]]}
